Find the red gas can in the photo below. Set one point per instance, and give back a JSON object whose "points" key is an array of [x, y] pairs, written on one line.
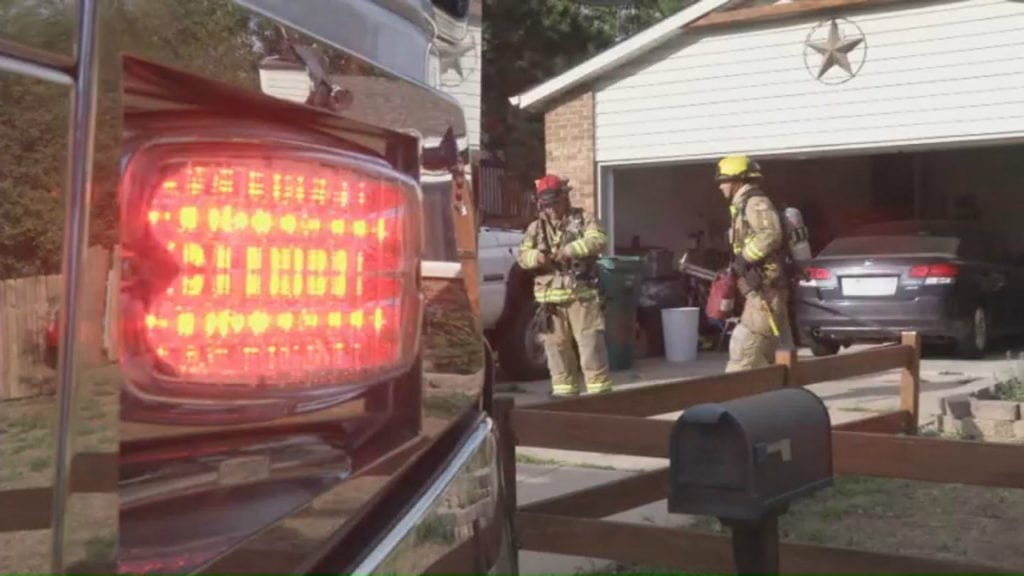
{"points": [[722, 296]]}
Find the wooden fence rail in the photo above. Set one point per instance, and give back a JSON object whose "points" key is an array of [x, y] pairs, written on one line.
{"points": [[859, 453], [700, 552], [32, 508], [617, 423], [674, 396], [788, 371]]}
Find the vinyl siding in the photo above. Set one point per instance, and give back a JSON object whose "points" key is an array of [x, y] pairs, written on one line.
{"points": [[467, 88], [291, 85], [933, 73]]}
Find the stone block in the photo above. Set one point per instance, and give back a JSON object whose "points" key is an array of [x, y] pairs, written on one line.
{"points": [[464, 532], [1018, 429], [988, 429], [995, 410], [946, 423], [957, 406]]}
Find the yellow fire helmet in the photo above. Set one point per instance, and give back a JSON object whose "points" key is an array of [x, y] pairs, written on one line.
{"points": [[737, 168]]}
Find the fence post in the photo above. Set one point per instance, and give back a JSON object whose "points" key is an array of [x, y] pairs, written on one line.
{"points": [[507, 457], [910, 381], [788, 357], [110, 313]]}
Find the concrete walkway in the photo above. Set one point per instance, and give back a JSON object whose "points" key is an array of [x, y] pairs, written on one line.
{"points": [[543, 473]]}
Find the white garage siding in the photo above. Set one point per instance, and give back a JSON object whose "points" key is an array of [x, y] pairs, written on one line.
{"points": [[941, 72], [466, 88], [288, 84]]}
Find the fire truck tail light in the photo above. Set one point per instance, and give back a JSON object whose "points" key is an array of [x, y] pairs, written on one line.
{"points": [[267, 269]]}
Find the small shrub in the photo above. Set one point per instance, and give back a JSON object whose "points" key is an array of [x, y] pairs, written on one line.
{"points": [[1011, 385], [39, 463], [436, 529]]}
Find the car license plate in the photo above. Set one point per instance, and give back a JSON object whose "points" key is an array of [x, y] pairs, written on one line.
{"points": [[870, 286]]}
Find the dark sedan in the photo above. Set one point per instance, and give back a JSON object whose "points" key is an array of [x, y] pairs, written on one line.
{"points": [[951, 282]]}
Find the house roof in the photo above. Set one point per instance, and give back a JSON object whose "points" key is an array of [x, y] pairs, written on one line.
{"points": [[700, 16], [615, 56]]}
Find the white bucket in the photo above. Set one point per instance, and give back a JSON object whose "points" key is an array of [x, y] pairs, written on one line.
{"points": [[680, 327]]}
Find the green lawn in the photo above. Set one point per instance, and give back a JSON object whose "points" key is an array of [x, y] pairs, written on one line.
{"points": [[27, 447]]}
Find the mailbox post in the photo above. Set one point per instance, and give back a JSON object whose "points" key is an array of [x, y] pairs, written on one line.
{"points": [[755, 545], [745, 460]]}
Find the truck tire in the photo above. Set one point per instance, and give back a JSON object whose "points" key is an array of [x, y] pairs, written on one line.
{"points": [[520, 351]]}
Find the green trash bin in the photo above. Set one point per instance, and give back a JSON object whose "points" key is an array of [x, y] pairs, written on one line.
{"points": [[620, 278]]}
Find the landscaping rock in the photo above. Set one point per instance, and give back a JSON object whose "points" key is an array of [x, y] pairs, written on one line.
{"points": [[957, 406], [995, 410]]}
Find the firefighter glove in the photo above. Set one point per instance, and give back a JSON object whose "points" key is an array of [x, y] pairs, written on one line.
{"points": [[565, 254], [750, 273], [740, 266]]}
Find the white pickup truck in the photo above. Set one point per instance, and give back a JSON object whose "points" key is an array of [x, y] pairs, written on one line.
{"points": [[507, 308]]}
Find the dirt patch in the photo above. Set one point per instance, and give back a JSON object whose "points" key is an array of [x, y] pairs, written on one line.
{"points": [[964, 523]]}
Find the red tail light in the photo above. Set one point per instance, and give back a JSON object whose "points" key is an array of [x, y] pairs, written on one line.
{"points": [[935, 271], [266, 270], [818, 274]]}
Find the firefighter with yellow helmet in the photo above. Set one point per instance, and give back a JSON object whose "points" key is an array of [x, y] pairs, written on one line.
{"points": [[563, 245], [757, 237]]}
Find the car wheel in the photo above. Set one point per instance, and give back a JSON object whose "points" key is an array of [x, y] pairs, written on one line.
{"points": [[975, 342], [824, 347], [521, 350]]}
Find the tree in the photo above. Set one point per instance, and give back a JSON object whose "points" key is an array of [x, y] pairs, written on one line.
{"points": [[216, 39], [211, 37], [33, 144], [529, 41]]}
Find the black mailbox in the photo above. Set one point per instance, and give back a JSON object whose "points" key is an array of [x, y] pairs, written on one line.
{"points": [[746, 459]]}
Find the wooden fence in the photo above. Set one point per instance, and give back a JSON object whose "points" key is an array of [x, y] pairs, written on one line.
{"points": [[618, 423], [26, 308], [501, 198]]}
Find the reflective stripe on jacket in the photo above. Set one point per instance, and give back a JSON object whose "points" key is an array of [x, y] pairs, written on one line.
{"points": [[757, 234], [544, 236]]}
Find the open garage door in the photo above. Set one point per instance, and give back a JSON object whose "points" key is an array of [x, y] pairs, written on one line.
{"points": [[678, 206]]}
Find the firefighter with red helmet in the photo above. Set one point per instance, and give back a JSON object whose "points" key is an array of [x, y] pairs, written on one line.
{"points": [[563, 245], [758, 241]]}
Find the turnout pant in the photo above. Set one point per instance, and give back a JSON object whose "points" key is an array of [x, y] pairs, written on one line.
{"points": [[763, 325], [582, 322]]}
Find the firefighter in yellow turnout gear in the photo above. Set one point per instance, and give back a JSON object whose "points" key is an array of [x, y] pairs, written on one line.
{"points": [[563, 245], [757, 236]]}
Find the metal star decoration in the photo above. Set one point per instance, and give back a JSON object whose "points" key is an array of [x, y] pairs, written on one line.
{"points": [[451, 56], [835, 50]]}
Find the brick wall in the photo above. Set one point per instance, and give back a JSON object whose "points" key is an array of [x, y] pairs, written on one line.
{"points": [[569, 146]]}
